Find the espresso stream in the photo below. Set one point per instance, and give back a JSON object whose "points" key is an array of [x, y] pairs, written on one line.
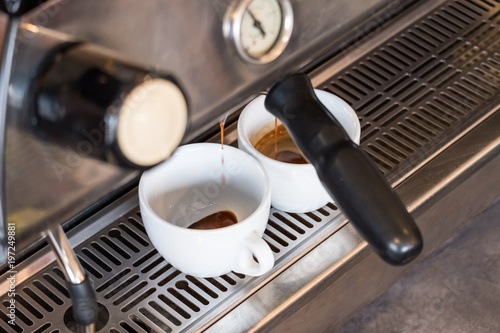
{"points": [[217, 220], [278, 145]]}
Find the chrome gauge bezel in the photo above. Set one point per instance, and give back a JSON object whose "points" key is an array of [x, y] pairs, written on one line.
{"points": [[232, 31]]}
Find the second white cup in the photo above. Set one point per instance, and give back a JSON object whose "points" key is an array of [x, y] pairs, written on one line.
{"points": [[295, 188]]}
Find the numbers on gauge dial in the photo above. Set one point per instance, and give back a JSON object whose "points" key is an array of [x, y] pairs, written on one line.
{"points": [[261, 27]]}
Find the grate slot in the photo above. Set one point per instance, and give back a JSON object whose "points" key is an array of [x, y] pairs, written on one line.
{"points": [[273, 246], [392, 149], [112, 245], [157, 322], [145, 258], [427, 122], [383, 154], [96, 260], [424, 33], [113, 280], [394, 116], [369, 102], [186, 287], [477, 5], [301, 220], [412, 93], [106, 254], [174, 306], [50, 295], [117, 234], [352, 87], [138, 299], [122, 286], [368, 135], [289, 223], [275, 226], [42, 328], [169, 278], [382, 68], [90, 269], [119, 300], [183, 299], [366, 76], [400, 53], [128, 328], [56, 285], [420, 127], [19, 314], [275, 238], [433, 116], [343, 91], [458, 15], [202, 287], [160, 272], [138, 225], [421, 98], [384, 64], [6, 319], [163, 313], [355, 80], [449, 21], [152, 265], [133, 235], [429, 26], [424, 65], [38, 299]]}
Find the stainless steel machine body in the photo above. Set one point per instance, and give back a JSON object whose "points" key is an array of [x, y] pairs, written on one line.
{"points": [[50, 184], [426, 89]]}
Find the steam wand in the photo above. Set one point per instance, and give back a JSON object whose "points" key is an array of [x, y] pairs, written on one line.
{"points": [[79, 286]]}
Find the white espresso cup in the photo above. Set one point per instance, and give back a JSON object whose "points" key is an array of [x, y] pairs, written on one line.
{"points": [[295, 188], [199, 180]]}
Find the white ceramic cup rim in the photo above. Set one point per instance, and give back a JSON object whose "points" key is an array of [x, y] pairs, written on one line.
{"points": [[250, 146], [180, 150]]}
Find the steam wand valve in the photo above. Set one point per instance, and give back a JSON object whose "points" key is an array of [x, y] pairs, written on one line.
{"points": [[346, 171], [79, 285]]}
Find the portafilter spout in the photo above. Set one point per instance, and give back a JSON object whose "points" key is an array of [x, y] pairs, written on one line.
{"points": [[346, 171]]}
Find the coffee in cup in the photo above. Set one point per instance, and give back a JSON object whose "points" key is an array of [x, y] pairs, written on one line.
{"points": [[188, 211]]}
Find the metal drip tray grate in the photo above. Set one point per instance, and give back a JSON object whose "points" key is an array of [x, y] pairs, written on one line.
{"points": [[138, 290], [422, 88], [415, 94]]}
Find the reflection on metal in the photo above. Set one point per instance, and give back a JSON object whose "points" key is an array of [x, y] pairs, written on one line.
{"points": [[73, 271], [8, 30]]}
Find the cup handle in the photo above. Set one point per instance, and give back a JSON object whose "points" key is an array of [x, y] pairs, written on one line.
{"points": [[254, 245]]}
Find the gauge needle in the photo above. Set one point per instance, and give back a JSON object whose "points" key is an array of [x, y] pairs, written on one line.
{"points": [[257, 24]]}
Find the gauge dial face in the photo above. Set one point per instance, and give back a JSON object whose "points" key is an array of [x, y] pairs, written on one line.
{"points": [[261, 27]]}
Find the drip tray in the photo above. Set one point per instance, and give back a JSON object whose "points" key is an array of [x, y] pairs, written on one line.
{"points": [[138, 291], [420, 87]]}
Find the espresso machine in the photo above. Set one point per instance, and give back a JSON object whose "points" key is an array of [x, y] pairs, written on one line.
{"points": [[423, 77]]}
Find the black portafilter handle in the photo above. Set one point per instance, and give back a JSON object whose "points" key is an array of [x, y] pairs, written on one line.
{"points": [[346, 171]]}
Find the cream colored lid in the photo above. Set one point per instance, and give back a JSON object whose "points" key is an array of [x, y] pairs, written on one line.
{"points": [[151, 122]]}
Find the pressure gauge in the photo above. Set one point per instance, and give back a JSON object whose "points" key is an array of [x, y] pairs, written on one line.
{"points": [[259, 30]]}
